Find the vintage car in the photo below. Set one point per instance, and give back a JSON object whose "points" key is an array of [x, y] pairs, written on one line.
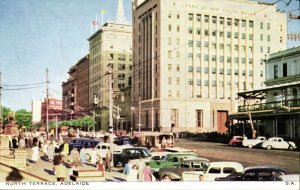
{"points": [[154, 139], [236, 141], [130, 154], [255, 173], [253, 142], [278, 143], [79, 143], [103, 148], [175, 172], [123, 140], [171, 159], [215, 170]]}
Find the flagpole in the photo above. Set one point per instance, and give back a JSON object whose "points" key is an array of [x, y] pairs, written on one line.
{"points": [[91, 27], [102, 18], [96, 22]]}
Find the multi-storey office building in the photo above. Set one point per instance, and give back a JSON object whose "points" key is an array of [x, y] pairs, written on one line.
{"points": [[275, 109], [112, 44], [192, 57], [76, 90]]}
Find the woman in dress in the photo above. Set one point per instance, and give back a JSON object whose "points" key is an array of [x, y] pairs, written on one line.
{"points": [[35, 153], [147, 173], [50, 152], [133, 174]]}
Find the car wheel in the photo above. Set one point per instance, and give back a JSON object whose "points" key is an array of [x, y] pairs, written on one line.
{"points": [[269, 147], [250, 146], [291, 148], [234, 144]]}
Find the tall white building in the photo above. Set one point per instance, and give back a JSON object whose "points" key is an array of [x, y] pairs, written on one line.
{"points": [[191, 57], [36, 111], [112, 44]]}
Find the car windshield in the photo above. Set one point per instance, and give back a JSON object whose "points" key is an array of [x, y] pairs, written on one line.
{"points": [[184, 157]]}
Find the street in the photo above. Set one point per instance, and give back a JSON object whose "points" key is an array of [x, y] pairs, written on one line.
{"points": [[288, 160]]}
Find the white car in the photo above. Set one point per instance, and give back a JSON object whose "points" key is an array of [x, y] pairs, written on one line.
{"points": [[215, 170], [253, 142], [278, 143], [103, 148]]}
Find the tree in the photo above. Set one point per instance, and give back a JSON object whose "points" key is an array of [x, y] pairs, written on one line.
{"points": [[23, 118]]}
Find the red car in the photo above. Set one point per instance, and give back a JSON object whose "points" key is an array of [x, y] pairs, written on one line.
{"points": [[236, 141]]}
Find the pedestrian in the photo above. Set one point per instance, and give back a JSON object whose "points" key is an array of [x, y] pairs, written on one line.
{"points": [[163, 142], [35, 153], [50, 152], [147, 173], [201, 177], [15, 142], [61, 172], [74, 156], [93, 156], [133, 174], [83, 155], [141, 166], [30, 142], [56, 160], [22, 144], [127, 167], [66, 148], [101, 166], [44, 150], [166, 177], [108, 159], [169, 143]]}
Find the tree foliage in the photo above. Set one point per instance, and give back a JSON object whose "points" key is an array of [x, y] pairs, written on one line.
{"points": [[86, 121]]}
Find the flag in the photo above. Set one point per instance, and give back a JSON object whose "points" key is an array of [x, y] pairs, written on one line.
{"points": [[94, 23], [104, 11]]}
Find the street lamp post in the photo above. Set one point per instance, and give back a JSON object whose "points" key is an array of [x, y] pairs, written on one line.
{"points": [[131, 127]]}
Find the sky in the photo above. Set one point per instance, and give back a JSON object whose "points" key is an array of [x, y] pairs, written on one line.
{"points": [[40, 34]]}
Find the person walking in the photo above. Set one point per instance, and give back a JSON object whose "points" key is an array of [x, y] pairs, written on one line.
{"points": [[66, 148], [127, 167], [50, 152], [35, 153], [93, 156], [22, 144], [108, 159], [74, 156], [147, 173], [83, 155], [61, 172], [101, 166], [163, 142], [141, 166], [14, 142], [133, 174]]}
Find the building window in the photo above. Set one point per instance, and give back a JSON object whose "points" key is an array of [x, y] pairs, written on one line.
{"points": [[206, 44], [236, 35], [261, 37], [206, 18], [250, 24], [170, 27], [198, 82], [190, 55], [275, 71], [236, 59], [198, 31], [228, 59], [250, 36], [206, 32], [190, 69], [221, 46], [221, 58], [243, 23], [178, 28], [198, 69], [198, 18], [170, 93], [178, 68], [243, 36], [178, 54], [229, 21], [178, 81], [228, 34], [228, 71], [214, 19], [268, 26], [268, 38], [170, 15], [191, 16], [250, 60], [261, 25], [198, 56], [243, 60], [169, 40], [206, 83], [170, 54], [213, 70], [236, 22], [221, 34], [206, 70], [169, 67], [221, 20], [280, 40], [261, 73], [236, 47], [261, 49], [121, 67], [206, 57], [221, 71], [250, 73], [121, 76], [198, 43], [214, 83], [190, 82], [268, 49], [121, 57], [199, 118], [170, 80], [178, 94], [190, 30], [284, 70], [190, 43]]}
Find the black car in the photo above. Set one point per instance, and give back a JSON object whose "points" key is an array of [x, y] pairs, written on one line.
{"points": [[79, 143], [123, 140], [130, 154], [255, 173]]}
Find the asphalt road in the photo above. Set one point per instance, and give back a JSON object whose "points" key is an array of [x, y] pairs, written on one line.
{"points": [[288, 160]]}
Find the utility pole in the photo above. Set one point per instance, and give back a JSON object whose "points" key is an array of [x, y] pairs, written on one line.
{"points": [[110, 125], [1, 108], [56, 128], [139, 124], [47, 105]]}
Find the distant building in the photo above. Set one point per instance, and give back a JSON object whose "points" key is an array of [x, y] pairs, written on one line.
{"points": [[54, 109], [275, 109], [192, 57], [36, 111], [112, 44], [76, 90]]}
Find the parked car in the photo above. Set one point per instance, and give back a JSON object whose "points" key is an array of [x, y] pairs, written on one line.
{"points": [[253, 142], [215, 170], [79, 143], [123, 140], [236, 141], [278, 143], [154, 139], [130, 154], [175, 172], [103, 148], [171, 159], [255, 173]]}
